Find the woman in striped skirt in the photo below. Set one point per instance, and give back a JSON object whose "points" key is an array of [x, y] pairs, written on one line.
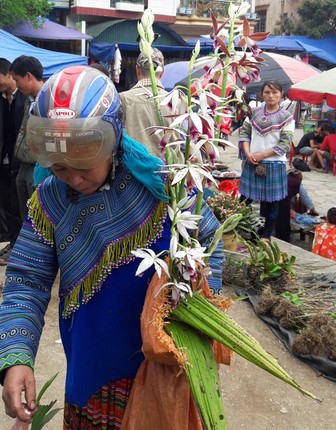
{"points": [[266, 138], [104, 200]]}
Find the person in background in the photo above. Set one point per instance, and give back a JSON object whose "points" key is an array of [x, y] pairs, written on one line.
{"points": [[282, 226], [28, 73], [105, 199], [324, 243], [307, 201], [138, 106], [291, 106], [11, 114], [327, 149], [311, 142], [266, 138], [101, 68]]}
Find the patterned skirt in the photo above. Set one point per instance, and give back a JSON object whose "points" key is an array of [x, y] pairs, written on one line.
{"points": [[104, 410], [270, 188]]}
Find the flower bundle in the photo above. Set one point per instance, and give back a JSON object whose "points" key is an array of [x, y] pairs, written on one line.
{"points": [[197, 112]]}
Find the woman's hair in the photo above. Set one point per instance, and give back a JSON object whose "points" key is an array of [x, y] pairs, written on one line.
{"points": [[273, 85], [295, 173], [331, 216]]}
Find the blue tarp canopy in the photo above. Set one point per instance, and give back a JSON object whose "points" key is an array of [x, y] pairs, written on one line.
{"points": [[280, 43], [320, 48], [104, 52], [48, 30], [12, 47]]}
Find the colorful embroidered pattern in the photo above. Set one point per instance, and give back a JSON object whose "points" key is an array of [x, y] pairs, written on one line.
{"points": [[105, 410], [15, 359], [265, 123], [117, 230]]}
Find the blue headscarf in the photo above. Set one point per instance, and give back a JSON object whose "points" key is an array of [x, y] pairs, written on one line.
{"points": [[144, 166]]}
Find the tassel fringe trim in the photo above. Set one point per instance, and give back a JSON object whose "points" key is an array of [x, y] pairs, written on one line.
{"points": [[115, 255], [41, 224]]}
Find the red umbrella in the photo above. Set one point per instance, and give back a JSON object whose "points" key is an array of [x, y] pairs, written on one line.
{"points": [[316, 89]]}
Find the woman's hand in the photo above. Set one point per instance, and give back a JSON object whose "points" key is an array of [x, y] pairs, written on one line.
{"points": [[20, 379], [251, 158], [258, 156]]}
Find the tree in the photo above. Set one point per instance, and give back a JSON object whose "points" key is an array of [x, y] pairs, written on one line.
{"points": [[317, 18], [23, 10]]}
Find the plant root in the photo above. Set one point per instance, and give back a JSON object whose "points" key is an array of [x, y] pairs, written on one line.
{"points": [[318, 338]]}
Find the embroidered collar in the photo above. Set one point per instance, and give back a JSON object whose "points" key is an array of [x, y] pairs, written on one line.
{"points": [[265, 123], [127, 217]]}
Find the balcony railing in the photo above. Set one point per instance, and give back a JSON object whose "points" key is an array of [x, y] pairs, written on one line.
{"points": [[129, 5]]}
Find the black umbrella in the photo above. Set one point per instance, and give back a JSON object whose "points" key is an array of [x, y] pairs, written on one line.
{"points": [[286, 70]]}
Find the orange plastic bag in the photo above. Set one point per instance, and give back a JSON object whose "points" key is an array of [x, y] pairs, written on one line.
{"points": [[160, 398]]}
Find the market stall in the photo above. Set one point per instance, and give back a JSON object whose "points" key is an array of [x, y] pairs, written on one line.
{"points": [[320, 92]]}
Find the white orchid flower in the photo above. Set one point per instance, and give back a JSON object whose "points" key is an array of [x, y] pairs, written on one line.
{"points": [[145, 48], [186, 202], [194, 55], [207, 146], [179, 290], [243, 8], [193, 173], [173, 246], [202, 97], [183, 221], [191, 256], [141, 30], [208, 62], [149, 258], [172, 100], [147, 19]]}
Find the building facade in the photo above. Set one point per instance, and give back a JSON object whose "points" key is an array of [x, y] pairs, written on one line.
{"points": [[272, 13]]}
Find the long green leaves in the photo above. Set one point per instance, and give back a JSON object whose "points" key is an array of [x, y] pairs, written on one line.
{"points": [[45, 413], [202, 374], [199, 313]]}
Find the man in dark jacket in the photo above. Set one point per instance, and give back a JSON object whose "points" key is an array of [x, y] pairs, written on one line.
{"points": [[11, 115], [28, 73]]}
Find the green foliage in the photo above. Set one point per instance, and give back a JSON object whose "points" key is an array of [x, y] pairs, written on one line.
{"points": [[45, 412], [23, 10], [286, 27], [269, 258], [225, 206], [317, 18], [293, 298]]}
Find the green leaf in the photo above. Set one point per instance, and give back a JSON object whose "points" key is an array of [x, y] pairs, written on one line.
{"points": [[45, 387], [45, 412]]}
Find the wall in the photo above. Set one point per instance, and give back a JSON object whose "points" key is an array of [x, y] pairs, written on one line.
{"points": [[164, 7], [274, 10]]}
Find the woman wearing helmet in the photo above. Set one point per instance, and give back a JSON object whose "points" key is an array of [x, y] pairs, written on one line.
{"points": [[104, 199]]}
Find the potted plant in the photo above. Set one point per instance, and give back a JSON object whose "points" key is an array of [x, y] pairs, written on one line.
{"points": [[237, 216]]}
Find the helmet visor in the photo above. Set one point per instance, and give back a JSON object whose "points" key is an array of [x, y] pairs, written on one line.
{"points": [[81, 143]]}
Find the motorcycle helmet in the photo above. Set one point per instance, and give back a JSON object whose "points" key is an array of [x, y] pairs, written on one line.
{"points": [[75, 119]]}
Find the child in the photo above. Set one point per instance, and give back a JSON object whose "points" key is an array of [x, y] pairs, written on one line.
{"points": [[325, 237]]}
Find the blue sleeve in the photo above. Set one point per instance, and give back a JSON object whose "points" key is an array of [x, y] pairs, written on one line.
{"points": [[208, 226], [30, 274]]}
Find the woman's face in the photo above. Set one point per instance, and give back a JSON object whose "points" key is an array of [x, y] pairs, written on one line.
{"points": [[85, 181], [271, 96]]}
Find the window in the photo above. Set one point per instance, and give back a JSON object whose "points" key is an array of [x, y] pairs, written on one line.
{"points": [[261, 23]]}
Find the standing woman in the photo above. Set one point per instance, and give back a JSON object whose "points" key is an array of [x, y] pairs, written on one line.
{"points": [[104, 199], [266, 138]]}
